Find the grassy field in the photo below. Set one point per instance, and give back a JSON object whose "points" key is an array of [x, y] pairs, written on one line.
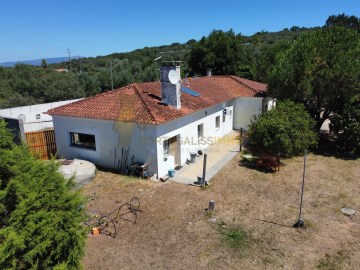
{"points": [[250, 227]]}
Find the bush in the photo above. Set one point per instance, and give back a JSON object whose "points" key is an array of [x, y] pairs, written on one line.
{"points": [[40, 212], [347, 125], [286, 130]]}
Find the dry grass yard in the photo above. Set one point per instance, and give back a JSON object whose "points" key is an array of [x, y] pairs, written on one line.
{"points": [[251, 225]]}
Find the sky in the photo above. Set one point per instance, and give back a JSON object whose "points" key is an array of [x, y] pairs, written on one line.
{"points": [[40, 29]]}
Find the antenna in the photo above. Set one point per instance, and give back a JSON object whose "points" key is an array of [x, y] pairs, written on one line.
{"points": [[185, 80], [174, 77]]}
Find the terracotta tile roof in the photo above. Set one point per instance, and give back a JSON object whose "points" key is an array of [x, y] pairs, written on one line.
{"points": [[260, 88], [141, 102]]}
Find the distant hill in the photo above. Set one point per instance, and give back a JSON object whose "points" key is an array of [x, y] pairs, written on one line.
{"points": [[175, 51], [37, 62]]}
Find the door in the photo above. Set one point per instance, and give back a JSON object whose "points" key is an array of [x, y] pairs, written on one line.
{"points": [[174, 151]]}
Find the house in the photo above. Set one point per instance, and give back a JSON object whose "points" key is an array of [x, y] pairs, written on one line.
{"points": [[158, 123]]}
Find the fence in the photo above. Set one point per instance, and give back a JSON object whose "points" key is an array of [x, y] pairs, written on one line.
{"points": [[42, 143]]}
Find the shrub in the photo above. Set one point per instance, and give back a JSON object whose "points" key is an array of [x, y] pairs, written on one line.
{"points": [[40, 212], [347, 125], [286, 130]]}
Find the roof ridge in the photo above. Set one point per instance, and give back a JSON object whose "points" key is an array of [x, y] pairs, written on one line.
{"points": [[235, 78], [210, 77], [137, 92]]}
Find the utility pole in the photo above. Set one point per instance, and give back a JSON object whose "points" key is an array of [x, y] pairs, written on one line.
{"points": [[69, 52], [111, 75]]}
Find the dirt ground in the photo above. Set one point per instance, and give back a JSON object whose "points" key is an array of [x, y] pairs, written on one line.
{"points": [[174, 231]]}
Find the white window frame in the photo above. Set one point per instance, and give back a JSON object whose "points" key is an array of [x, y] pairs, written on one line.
{"points": [[166, 148]]}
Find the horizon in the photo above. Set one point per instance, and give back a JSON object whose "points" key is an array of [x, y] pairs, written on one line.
{"points": [[92, 30]]}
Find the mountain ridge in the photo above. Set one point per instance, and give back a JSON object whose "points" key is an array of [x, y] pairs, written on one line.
{"points": [[37, 62]]}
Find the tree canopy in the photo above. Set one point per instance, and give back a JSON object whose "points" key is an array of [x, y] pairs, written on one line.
{"points": [[321, 69], [347, 125], [221, 51], [343, 20], [285, 130], [40, 214]]}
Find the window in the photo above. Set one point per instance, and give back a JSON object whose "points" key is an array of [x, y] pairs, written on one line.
{"points": [[166, 148], [224, 116], [83, 140], [200, 130], [230, 113], [217, 121]]}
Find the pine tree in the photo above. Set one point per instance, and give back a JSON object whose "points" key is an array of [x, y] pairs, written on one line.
{"points": [[41, 213]]}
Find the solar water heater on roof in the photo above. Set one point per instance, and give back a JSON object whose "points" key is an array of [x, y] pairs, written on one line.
{"points": [[190, 91]]}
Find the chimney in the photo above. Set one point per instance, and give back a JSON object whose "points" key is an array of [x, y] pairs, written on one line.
{"points": [[208, 72], [170, 85]]}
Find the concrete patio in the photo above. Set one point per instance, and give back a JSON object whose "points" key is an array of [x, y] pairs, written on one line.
{"points": [[218, 155]]}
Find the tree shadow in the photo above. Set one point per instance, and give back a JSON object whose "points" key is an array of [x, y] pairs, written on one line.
{"points": [[329, 147], [252, 165]]}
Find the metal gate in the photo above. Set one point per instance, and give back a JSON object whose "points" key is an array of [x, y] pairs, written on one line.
{"points": [[42, 143]]}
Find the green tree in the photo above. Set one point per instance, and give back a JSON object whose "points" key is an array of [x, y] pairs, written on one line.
{"points": [[347, 125], [265, 59], [286, 130], [44, 64], [343, 20], [40, 213], [89, 83], [221, 51], [321, 69]]}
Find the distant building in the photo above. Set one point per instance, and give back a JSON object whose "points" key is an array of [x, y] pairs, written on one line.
{"points": [[61, 70], [25, 119]]}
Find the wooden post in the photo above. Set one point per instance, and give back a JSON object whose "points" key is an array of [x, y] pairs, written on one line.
{"points": [[211, 205], [204, 171]]}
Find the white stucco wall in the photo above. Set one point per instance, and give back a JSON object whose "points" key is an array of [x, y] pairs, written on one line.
{"points": [[245, 108], [111, 139], [186, 128], [33, 109], [31, 113], [145, 142], [268, 103]]}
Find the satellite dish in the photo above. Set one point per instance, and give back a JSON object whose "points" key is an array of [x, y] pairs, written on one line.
{"points": [[22, 117], [174, 77]]}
